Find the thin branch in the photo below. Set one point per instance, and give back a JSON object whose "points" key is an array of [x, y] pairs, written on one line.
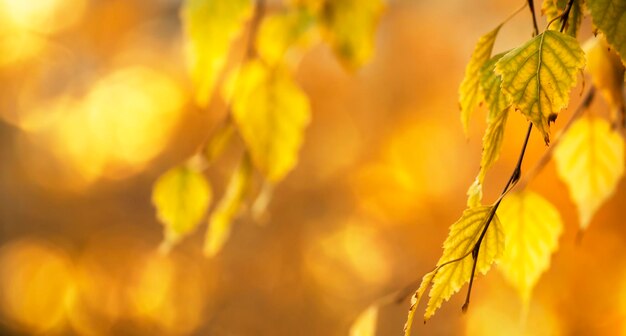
{"points": [[547, 155], [531, 5], [565, 15], [509, 185]]}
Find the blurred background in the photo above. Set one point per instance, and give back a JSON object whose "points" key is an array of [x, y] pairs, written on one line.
{"points": [[95, 104]]}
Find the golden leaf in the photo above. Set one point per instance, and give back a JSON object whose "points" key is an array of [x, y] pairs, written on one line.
{"points": [[590, 160], [271, 113], [210, 27], [181, 197], [538, 76], [532, 228]]}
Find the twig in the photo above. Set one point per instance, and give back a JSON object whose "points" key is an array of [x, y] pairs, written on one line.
{"points": [[509, 185], [547, 155], [531, 5]]}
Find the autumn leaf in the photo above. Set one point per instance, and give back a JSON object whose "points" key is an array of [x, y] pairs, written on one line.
{"points": [[496, 122], [221, 220], [610, 18], [365, 323], [349, 26], [279, 32], [607, 73], [454, 268], [553, 8], [532, 228], [210, 27], [590, 160], [271, 113], [537, 76], [469, 93], [181, 197]]}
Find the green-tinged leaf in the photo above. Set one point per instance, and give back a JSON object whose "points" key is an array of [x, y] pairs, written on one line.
{"points": [[610, 18], [349, 26], [271, 113], [607, 74], [590, 160], [553, 8], [279, 32], [221, 220], [218, 142], [454, 268], [181, 197], [469, 93], [210, 27], [365, 323], [538, 76], [496, 122], [532, 228]]}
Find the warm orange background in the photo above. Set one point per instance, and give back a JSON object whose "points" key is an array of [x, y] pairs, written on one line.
{"points": [[96, 103]]}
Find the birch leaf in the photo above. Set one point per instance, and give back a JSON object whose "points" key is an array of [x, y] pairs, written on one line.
{"points": [[610, 18], [607, 73], [469, 93], [271, 113], [181, 197], [210, 27], [532, 228], [279, 32], [349, 26], [590, 160], [221, 220], [496, 122], [538, 76], [454, 268]]}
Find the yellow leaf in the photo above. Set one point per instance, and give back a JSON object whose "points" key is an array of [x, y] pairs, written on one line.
{"points": [[365, 323], [553, 8], [454, 268], [496, 122], [538, 76], [271, 113], [221, 220], [608, 16], [210, 27], [607, 73], [181, 197], [469, 93], [590, 160], [279, 32], [349, 26], [532, 228], [415, 300]]}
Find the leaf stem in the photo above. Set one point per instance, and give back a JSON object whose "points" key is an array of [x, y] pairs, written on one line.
{"points": [[531, 5], [517, 172], [565, 15]]}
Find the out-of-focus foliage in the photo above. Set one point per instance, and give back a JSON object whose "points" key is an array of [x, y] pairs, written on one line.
{"points": [[181, 197], [607, 74], [608, 16], [365, 323], [532, 227], [211, 26], [271, 113], [349, 27], [538, 76], [590, 160], [220, 222]]}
